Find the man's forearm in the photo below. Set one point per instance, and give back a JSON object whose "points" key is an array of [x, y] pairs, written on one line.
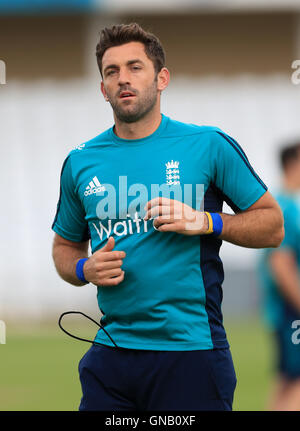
{"points": [[103, 267], [285, 271], [65, 259], [257, 228], [290, 288]]}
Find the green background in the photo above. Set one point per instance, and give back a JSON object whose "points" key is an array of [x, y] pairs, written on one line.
{"points": [[39, 365]]}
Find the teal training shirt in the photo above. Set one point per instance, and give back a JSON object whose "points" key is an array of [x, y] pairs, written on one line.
{"points": [[170, 298], [275, 309]]}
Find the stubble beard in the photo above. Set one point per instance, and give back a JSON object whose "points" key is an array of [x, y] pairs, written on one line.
{"points": [[139, 109]]}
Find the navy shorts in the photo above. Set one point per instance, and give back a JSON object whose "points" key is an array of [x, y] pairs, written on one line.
{"points": [[288, 354], [115, 379]]}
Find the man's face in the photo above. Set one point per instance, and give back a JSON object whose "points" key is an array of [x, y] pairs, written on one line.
{"points": [[129, 81], [297, 168], [292, 171]]}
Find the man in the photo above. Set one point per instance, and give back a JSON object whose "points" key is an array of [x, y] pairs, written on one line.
{"points": [[280, 281], [156, 266]]}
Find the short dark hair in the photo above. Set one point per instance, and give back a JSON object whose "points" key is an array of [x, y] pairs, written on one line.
{"points": [[289, 153], [124, 33]]}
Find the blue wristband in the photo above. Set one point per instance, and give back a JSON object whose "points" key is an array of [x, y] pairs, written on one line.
{"points": [[217, 224], [79, 269]]}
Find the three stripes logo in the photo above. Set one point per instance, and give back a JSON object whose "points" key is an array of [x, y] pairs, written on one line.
{"points": [[94, 187]]}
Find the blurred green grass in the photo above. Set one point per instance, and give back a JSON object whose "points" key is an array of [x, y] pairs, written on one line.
{"points": [[252, 352], [39, 366]]}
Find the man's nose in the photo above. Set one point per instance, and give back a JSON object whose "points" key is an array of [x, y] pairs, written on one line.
{"points": [[124, 77]]}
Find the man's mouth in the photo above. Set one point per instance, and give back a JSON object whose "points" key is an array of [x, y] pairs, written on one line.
{"points": [[126, 95]]}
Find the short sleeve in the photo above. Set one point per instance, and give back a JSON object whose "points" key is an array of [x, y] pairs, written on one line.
{"points": [[239, 184], [70, 220]]}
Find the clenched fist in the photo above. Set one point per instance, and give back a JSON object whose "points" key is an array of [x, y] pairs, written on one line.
{"points": [[175, 216], [104, 266]]}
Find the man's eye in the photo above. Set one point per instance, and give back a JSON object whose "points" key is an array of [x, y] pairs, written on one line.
{"points": [[136, 67], [111, 72]]}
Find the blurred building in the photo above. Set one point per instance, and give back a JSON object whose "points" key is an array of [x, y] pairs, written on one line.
{"points": [[231, 66]]}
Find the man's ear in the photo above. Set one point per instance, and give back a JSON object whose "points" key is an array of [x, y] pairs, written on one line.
{"points": [[103, 91], [163, 79]]}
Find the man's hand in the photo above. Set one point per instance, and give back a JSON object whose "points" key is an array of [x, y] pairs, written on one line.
{"points": [[104, 266], [175, 216]]}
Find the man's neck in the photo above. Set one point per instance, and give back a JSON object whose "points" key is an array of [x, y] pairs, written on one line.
{"points": [[140, 129]]}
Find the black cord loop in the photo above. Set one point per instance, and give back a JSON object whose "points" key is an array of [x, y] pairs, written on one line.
{"points": [[83, 339]]}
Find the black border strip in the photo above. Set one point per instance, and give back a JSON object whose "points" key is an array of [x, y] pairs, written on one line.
{"points": [[243, 156]]}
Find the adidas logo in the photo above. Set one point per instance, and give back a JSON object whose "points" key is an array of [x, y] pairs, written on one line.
{"points": [[79, 147], [94, 187]]}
